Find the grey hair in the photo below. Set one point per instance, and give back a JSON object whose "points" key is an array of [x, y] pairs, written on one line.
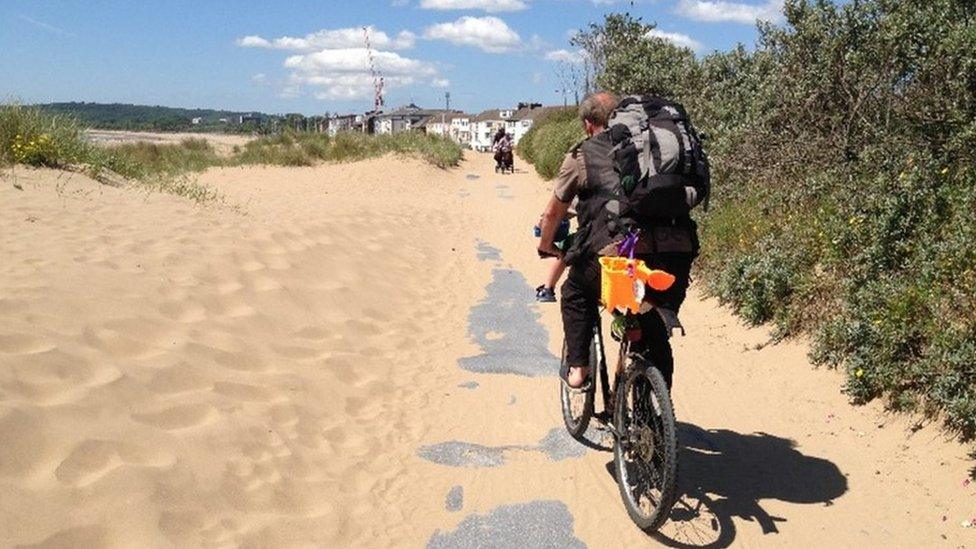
{"points": [[596, 108]]}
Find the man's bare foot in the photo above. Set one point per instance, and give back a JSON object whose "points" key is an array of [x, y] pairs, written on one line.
{"points": [[576, 377]]}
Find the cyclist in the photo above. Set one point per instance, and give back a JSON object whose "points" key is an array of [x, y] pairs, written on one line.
{"points": [[503, 151], [669, 245]]}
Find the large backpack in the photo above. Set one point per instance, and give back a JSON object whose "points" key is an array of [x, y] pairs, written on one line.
{"points": [[648, 169], [658, 156]]}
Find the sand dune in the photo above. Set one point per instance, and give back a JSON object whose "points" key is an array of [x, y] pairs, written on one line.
{"points": [[352, 358], [223, 143]]}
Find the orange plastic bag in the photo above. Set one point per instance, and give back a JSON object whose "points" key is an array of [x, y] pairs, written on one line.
{"points": [[621, 287]]}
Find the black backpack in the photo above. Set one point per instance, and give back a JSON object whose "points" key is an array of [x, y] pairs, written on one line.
{"points": [[648, 169]]}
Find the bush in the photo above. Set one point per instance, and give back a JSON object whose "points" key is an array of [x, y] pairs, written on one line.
{"points": [[844, 184], [28, 136], [142, 159], [548, 140]]}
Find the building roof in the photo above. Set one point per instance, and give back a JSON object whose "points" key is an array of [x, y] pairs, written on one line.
{"points": [[489, 115], [412, 111], [534, 113], [447, 117]]}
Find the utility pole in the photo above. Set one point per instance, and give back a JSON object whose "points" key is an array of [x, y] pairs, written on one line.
{"points": [[564, 91]]}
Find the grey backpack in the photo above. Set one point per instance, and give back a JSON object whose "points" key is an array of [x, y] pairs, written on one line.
{"points": [[658, 157]]}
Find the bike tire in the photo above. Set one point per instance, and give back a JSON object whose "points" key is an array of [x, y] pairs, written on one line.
{"points": [[645, 383], [577, 423]]}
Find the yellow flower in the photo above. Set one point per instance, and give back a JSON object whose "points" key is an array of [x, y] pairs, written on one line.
{"points": [[945, 170], [859, 373]]}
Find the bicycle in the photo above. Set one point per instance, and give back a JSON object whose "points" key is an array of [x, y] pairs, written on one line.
{"points": [[638, 413]]}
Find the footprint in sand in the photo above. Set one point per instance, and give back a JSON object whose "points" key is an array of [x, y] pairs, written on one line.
{"points": [[296, 352], [27, 443], [263, 283], [227, 306], [243, 391], [237, 360], [81, 536], [53, 377], [118, 344], [183, 311], [179, 378], [312, 332], [179, 417], [23, 344], [93, 459]]}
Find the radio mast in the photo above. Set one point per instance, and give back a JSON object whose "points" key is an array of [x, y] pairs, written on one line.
{"points": [[377, 76]]}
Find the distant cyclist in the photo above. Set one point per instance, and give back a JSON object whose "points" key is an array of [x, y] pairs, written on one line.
{"points": [[503, 152]]}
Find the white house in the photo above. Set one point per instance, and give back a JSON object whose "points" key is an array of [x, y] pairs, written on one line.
{"points": [[461, 129], [455, 125], [526, 115], [345, 123], [403, 119]]}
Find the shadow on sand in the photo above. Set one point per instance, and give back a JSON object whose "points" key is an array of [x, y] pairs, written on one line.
{"points": [[724, 474]]}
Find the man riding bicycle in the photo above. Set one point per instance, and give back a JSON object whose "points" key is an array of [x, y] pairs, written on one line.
{"points": [[665, 240]]}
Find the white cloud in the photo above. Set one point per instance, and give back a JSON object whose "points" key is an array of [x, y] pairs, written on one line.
{"points": [[351, 37], [491, 34], [565, 56], [736, 12], [345, 73], [290, 91], [440, 83], [48, 27], [259, 77], [490, 6], [677, 39], [253, 42]]}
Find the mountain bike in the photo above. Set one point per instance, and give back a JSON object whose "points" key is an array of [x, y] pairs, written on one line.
{"points": [[638, 413]]}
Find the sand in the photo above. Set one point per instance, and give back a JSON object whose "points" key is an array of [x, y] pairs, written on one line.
{"points": [[350, 356], [223, 143]]}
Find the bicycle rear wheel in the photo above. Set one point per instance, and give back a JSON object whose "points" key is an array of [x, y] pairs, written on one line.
{"points": [[578, 408], [645, 452]]}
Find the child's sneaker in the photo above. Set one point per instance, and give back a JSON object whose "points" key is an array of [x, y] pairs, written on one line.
{"points": [[545, 295]]}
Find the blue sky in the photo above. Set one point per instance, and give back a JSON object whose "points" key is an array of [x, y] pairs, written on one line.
{"points": [[308, 56]]}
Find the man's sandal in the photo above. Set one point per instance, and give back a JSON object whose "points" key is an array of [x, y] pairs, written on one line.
{"points": [[582, 389]]}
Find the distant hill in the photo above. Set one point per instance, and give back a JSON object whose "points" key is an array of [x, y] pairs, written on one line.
{"points": [[119, 116]]}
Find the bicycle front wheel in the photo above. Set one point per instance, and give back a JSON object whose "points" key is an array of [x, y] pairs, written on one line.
{"points": [[645, 452]]}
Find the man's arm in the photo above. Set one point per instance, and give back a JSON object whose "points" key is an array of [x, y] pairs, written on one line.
{"points": [[568, 181], [551, 218]]}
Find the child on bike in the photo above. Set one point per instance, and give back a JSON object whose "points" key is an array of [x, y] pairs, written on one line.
{"points": [[546, 293]]}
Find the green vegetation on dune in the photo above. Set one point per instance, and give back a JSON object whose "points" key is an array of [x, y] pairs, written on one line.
{"points": [[33, 137], [546, 143], [844, 184], [291, 149], [29, 136]]}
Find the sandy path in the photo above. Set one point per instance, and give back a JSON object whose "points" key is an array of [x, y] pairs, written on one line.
{"points": [[357, 361]]}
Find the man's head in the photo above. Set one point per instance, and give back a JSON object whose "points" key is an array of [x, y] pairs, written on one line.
{"points": [[595, 110]]}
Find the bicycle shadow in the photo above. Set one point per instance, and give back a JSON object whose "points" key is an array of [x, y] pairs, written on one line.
{"points": [[723, 474]]}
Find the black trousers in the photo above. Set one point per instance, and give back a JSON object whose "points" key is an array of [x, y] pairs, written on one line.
{"points": [[580, 304]]}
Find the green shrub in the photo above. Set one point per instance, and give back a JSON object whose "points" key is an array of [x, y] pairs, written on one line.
{"points": [[143, 159], [28, 136], [549, 139], [843, 154]]}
